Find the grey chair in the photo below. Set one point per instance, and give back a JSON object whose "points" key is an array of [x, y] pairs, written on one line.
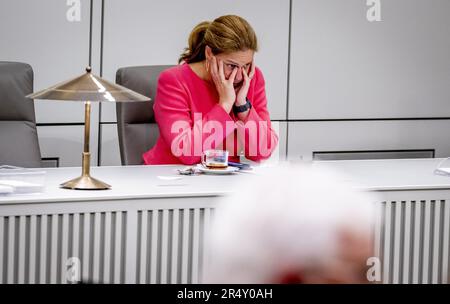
{"points": [[19, 145], [136, 124]]}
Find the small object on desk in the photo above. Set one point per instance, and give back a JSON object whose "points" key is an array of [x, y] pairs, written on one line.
{"points": [[9, 167], [445, 171], [240, 165], [187, 171], [22, 180], [227, 170], [442, 171], [6, 189], [20, 187], [169, 178], [215, 159]]}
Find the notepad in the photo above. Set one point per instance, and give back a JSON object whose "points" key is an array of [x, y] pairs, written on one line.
{"points": [[20, 187]]}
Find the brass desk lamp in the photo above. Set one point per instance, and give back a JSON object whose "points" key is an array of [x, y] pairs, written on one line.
{"points": [[88, 88]]}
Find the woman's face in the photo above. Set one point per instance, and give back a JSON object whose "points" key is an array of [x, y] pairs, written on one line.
{"points": [[240, 60]]}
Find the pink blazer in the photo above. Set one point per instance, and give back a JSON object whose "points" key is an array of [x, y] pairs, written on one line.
{"points": [[191, 121]]}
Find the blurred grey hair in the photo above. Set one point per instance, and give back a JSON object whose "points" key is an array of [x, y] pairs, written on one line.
{"points": [[288, 217]]}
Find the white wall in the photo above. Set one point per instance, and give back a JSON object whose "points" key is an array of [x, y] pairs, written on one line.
{"points": [[343, 67], [142, 32], [352, 82]]}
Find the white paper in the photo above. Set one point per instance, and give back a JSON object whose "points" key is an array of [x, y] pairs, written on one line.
{"points": [[21, 187]]}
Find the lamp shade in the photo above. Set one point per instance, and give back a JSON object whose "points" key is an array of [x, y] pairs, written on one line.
{"points": [[89, 87]]}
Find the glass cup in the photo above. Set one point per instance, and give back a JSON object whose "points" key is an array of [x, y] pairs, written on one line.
{"points": [[215, 159]]}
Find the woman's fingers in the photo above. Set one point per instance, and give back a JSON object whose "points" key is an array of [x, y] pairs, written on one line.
{"points": [[221, 71], [246, 76], [243, 90], [247, 79], [252, 70], [224, 87], [214, 70], [233, 76]]}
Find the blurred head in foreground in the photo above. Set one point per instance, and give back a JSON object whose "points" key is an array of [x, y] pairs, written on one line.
{"points": [[292, 225]]}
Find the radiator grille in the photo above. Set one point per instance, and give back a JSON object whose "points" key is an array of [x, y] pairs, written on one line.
{"points": [[413, 242], [170, 245], [35, 248]]}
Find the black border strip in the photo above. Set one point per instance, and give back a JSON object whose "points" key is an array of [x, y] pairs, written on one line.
{"points": [[363, 119], [288, 77], [102, 26], [56, 159], [273, 120], [59, 124], [433, 151], [90, 31], [335, 120], [375, 151]]}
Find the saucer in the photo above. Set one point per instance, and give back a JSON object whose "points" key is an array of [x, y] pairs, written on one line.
{"points": [[228, 170]]}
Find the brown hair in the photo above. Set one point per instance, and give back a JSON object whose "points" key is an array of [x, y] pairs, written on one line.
{"points": [[226, 34]]}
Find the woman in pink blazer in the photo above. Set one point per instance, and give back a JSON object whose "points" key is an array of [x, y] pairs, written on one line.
{"points": [[215, 99]]}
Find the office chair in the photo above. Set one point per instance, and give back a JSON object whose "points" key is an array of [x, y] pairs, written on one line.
{"points": [[136, 123], [19, 145]]}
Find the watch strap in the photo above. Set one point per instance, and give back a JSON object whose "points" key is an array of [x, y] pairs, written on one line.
{"points": [[243, 108]]}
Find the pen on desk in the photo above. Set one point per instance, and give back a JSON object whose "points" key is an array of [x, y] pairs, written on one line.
{"points": [[240, 165]]}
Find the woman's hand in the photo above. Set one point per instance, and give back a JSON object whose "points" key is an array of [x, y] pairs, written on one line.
{"points": [[225, 88], [241, 94]]}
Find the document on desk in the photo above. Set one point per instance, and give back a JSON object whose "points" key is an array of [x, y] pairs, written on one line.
{"points": [[20, 187], [6, 189], [442, 171]]}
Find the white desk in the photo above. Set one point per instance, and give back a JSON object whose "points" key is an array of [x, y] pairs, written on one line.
{"points": [[149, 230], [412, 234]]}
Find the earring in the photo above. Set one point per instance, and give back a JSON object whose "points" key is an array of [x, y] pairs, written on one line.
{"points": [[207, 66]]}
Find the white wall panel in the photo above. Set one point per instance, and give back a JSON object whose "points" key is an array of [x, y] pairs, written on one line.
{"points": [[343, 66], [281, 129], [38, 33], [110, 153], [308, 137], [66, 143], [142, 32]]}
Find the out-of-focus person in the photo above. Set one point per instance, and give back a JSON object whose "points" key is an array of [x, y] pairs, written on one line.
{"points": [[292, 224]]}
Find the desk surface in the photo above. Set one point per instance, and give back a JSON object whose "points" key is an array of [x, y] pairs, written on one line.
{"points": [[128, 182], [392, 174], [135, 182]]}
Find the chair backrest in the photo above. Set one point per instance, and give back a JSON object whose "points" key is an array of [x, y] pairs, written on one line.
{"points": [[136, 124], [19, 145]]}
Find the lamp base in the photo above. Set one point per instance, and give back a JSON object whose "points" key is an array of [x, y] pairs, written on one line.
{"points": [[85, 182]]}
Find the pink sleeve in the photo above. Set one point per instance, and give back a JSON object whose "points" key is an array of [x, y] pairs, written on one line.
{"points": [[260, 139], [180, 132]]}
